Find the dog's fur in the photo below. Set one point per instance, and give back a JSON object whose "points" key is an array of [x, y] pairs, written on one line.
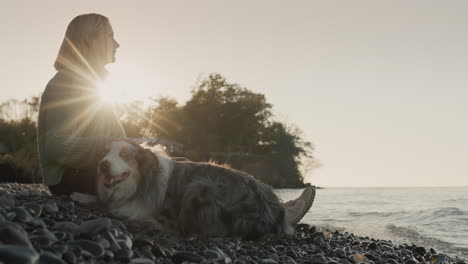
{"points": [[204, 199]]}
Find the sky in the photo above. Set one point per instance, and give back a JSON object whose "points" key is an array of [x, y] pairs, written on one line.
{"points": [[379, 87]]}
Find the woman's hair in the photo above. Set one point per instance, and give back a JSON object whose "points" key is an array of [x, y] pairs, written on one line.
{"points": [[75, 53]]}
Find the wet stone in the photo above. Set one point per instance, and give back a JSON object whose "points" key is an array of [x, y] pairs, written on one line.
{"points": [[181, 256], [103, 242], [22, 195], [94, 248], [292, 253], [147, 253], [339, 252], [372, 246], [7, 201], [211, 254], [69, 257], [60, 248], [43, 237], [318, 259], [124, 254], [17, 255], [94, 226], [49, 258], [268, 261], [22, 215], [14, 234], [51, 207], [119, 224], [318, 241], [108, 254], [420, 250], [68, 227], [39, 223], [124, 241], [141, 242], [141, 261], [60, 235], [114, 246]]}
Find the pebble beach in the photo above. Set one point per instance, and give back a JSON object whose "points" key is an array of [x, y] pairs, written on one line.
{"points": [[36, 227]]}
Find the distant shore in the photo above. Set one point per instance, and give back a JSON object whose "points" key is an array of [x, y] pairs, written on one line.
{"points": [[35, 224]]}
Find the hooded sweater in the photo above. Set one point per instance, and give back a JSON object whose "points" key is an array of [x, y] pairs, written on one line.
{"points": [[73, 125]]}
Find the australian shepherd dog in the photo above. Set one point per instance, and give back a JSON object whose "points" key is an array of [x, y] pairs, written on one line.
{"points": [[192, 198]]}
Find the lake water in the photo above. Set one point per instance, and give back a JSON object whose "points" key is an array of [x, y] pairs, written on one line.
{"points": [[429, 217]]}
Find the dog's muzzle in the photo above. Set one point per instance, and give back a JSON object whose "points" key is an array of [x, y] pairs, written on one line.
{"points": [[110, 180]]}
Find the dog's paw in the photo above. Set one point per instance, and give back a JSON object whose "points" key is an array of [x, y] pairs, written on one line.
{"points": [[83, 198]]}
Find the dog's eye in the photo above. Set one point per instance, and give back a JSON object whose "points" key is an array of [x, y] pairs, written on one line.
{"points": [[124, 154]]}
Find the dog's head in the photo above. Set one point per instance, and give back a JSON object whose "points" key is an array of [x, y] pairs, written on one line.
{"points": [[122, 170]]}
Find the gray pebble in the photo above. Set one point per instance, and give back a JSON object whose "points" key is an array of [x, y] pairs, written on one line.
{"points": [[119, 224], [108, 254], [49, 258], [7, 201], [92, 247], [103, 242], [124, 241], [95, 226], [318, 241], [14, 234], [339, 252], [124, 254], [43, 237], [22, 195], [318, 259], [211, 254], [68, 227], [181, 256], [22, 215], [69, 257], [114, 246], [141, 242], [18, 255], [141, 261], [60, 248], [36, 208], [39, 223], [51, 207], [268, 261]]}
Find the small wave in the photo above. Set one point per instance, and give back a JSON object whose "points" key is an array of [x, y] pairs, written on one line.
{"points": [[415, 237], [377, 214]]}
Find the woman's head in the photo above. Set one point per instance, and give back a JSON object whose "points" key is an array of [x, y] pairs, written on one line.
{"points": [[88, 45]]}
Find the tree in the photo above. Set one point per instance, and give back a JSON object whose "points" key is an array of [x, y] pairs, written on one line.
{"points": [[288, 149], [225, 117]]}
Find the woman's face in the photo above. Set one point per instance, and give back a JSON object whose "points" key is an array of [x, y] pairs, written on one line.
{"points": [[105, 46]]}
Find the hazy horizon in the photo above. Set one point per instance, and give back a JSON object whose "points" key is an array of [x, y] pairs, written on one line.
{"points": [[380, 88]]}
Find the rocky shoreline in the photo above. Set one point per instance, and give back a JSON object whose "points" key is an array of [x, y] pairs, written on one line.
{"points": [[36, 227]]}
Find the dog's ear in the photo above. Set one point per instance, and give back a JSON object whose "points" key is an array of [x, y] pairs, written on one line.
{"points": [[102, 150], [147, 161]]}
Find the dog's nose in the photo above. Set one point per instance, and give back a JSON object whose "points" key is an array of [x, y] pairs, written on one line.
{"points": [[104, 165]]}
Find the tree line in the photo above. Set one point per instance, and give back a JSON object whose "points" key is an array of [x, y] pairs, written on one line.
{"points": [[222, 122]]}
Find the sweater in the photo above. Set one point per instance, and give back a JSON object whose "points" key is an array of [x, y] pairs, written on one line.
{"points": [[73, 125]]}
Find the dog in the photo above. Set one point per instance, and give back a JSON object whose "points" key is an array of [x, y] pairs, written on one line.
{"points": [[191, 198]]}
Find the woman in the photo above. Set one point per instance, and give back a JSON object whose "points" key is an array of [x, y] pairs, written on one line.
{"points": [[73, 123]]}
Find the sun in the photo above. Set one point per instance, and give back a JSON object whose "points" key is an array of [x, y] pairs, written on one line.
{"points": [[125, 85], [113, 91]]}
